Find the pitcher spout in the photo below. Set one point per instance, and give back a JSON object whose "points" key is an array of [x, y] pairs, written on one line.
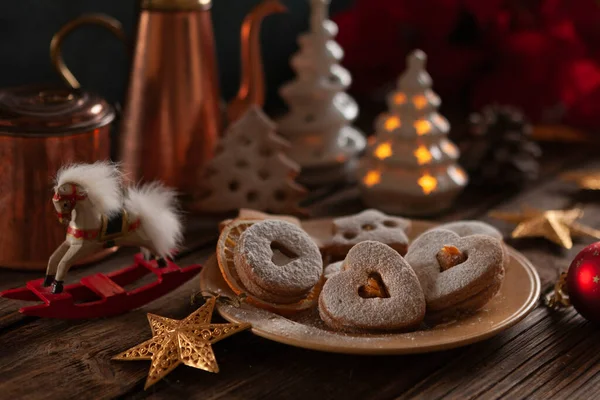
{"points": [[252, 85]]}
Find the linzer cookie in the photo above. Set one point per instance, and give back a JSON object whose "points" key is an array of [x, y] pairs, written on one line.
{"points": [[457, 274], [468, 228], [375, 290], [226, 249], [472, 227], [367, 225], [277, 261]]}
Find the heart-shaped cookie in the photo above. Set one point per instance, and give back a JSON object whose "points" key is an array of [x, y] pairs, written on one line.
{"points": [[457, 274], [376, 290]]}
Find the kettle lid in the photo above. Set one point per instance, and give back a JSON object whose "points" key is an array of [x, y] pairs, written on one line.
{"points": [[41, 110]]}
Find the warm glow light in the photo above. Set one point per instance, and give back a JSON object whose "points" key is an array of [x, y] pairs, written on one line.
{"points": [[383, 151], [399, 98], [457, 175], [372, 178], [450, 148], [392, 123], [422, 127], [420, 101], [428, 183], [96, 109], [423, 155]]}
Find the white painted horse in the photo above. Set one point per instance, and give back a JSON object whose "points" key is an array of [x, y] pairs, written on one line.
{"points": [[101, 212]]}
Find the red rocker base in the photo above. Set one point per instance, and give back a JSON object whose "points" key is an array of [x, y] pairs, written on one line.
{"points": [[103, 295]]}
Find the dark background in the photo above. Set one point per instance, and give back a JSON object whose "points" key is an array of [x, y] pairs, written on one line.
{"points": [[100, 61]]}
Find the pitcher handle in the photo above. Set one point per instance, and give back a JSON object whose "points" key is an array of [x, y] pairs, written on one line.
{"points": [[108, 22]]}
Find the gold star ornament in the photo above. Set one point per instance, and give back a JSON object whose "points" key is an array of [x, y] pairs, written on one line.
{"points": [[558, 226], [588, 180], [187, 341]]}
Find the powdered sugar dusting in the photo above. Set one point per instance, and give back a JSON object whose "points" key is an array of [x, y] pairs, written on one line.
{"points": [[340, 301], [369, 225], [333, 269], [484, 263], [254, 259], [471, 227], [306, 329]]}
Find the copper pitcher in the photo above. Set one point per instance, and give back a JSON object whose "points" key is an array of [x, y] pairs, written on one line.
{"points": [[172, 114]]}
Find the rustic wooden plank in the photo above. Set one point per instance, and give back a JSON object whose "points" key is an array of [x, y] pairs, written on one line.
{"points": [[553, 376], [69, 359], [560, 334], [256, 368], [490, 374], [465, 373]]}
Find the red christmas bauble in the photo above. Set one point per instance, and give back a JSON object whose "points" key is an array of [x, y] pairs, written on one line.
{"points": [[583, 282]]}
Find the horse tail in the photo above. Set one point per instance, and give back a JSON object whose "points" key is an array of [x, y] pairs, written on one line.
{"points": [[156, 206]]}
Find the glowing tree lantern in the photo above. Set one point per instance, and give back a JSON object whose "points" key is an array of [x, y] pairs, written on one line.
{"points": [[410, 166], [320, 113]]}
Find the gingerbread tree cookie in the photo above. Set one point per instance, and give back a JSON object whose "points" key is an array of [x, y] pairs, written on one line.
{"points": [[319, 121], [250, 170], [411, 167]]}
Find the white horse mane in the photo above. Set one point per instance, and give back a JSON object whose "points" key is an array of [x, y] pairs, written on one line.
{"points": [[101, 181]]}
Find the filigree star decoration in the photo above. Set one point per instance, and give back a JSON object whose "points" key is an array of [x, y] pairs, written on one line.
{"points": [[558, 226], [588, 180], [187, 341]]}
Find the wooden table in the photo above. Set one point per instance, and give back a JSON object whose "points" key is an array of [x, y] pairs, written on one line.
{"points": [[549, 354]]}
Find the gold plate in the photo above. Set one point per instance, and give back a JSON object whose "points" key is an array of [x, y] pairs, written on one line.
{"points": [[517, 297]]}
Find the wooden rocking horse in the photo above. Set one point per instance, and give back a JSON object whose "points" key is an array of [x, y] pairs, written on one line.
{"points": [[100, 212]]}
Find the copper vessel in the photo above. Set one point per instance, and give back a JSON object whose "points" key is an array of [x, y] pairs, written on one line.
{"points": [[42, 128], [172, 115]]}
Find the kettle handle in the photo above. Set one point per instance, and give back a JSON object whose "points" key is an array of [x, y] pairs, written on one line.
{"points": [[106, 21]]}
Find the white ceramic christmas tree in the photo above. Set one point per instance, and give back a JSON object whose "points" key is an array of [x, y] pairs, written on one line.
{"points": [[251, 170], [318, 124], [410, 168]]}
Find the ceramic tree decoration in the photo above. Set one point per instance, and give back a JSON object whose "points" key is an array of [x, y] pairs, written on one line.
{"points": [[318, 124], [410, 168], [251, 170]]}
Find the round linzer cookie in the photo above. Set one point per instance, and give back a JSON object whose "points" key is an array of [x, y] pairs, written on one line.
{"points": [[376, 289], [368, 225], [471, 227], [277, 261], [458, 274], [226, 249]]}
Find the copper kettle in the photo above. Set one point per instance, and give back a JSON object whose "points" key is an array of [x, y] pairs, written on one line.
{"points": [[172, 114], [43, 127]]}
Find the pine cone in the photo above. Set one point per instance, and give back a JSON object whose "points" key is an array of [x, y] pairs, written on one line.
{"points": [[499, 148]]}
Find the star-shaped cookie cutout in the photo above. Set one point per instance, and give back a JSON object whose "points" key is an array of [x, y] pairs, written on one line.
{"points": [[558, 226], [186, 341]]}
